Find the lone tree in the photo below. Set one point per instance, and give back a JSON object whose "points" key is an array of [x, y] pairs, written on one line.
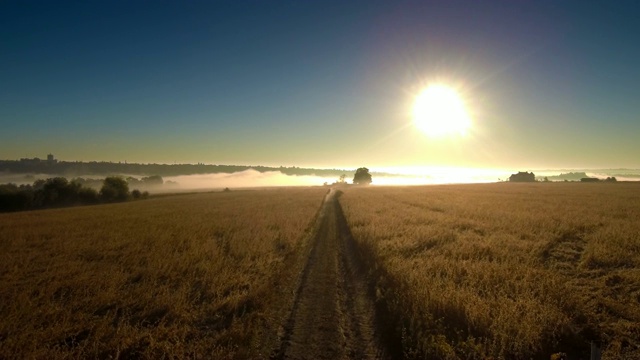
{"points": [[362, 176]]}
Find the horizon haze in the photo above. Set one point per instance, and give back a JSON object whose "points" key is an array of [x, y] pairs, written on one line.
{"points": [[181, 177]]}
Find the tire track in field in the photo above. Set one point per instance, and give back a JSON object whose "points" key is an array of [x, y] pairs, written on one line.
{"points": [[333, 314]]}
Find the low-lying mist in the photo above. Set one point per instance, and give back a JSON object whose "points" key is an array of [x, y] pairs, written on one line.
{"points": [[243, 179], [382, 177], [253, 178]]}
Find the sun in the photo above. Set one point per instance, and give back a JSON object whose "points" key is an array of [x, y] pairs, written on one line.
{"points": [[439, 111]]}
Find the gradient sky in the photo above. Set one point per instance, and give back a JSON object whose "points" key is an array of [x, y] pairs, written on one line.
{"points": [[320, 83]]}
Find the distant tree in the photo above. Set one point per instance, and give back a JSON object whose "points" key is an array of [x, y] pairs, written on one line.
{"points": [[114, 188], [132, 181], [88, 195], [53, 190], [154, 180], [136, 194], [362, 176], [589, 179], [341, 179], [59, 191], [546, 179], [92, 183], [523, 177], [13, 198], [39, 184]]}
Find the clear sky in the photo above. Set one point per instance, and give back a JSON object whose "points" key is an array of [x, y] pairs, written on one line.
{"points": [[547, 84]]}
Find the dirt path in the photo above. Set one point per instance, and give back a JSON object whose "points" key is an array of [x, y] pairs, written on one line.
{"points": [[333, 315]]}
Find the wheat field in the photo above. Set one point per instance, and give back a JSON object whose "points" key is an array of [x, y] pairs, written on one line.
{"points": [[194, 275], [513, 271]]}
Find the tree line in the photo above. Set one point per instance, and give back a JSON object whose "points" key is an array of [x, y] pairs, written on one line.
{"points": [[79, 168], [59, 192]]}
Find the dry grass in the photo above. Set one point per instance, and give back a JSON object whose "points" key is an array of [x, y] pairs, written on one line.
{"points": [[178, 276], [505, 270]]}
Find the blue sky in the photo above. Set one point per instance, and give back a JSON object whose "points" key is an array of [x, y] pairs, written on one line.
{"points": [[320, 83]]}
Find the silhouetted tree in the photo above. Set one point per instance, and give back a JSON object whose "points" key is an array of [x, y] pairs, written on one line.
{"points": [[88, 195], [114, 188], [589, 179], [57, 191], [136, 194], [362, 176], [152, 180], [14, 198], [133, 181], [523, 177], [39, 184], [53, 191]]}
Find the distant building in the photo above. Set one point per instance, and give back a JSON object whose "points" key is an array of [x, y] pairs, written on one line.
{"points": [[51, 159], [523, 177]]}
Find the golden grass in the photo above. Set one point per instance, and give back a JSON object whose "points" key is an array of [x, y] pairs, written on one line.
{"points": [[178, 276], [505, 270]]}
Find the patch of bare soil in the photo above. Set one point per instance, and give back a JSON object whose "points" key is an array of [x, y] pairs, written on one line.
{"points": [[333, 313]]}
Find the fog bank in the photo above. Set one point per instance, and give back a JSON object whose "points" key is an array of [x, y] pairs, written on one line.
{"points": [[244, 179], [381, 177]]}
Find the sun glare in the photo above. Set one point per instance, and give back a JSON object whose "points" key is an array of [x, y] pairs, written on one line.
{"points": [[438, 111]]}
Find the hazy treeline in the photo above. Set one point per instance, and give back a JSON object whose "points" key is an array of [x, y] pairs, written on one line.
{"points": [[575, 176], [570, 176], [106, 168], [142, 183], [58, 192]]}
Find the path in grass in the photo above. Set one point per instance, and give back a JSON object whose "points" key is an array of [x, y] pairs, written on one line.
{"points": [[333, 314]]}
